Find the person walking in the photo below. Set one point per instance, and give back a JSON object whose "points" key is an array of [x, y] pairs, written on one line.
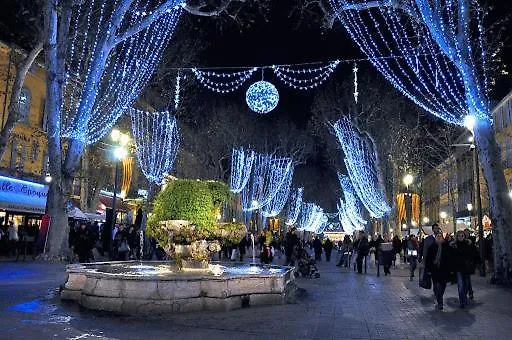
{"points": [[317, 246], [346, 252], [439, 266], [397, 246], [328, 245], [13, 238], [83, 243], [362, 251], [477, 260], [464, 261], [242, 246], [425, 245], [412, 254], [290, 243]]}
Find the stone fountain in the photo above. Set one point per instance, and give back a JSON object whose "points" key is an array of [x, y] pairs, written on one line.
{"points": [[153, 287]]}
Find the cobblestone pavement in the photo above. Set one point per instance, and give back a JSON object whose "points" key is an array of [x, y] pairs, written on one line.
{"points": [[339, 305]]}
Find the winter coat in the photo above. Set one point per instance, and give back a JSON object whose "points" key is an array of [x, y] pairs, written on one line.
{"points": [[317, 245], [363, 247], [443, 273], [242, 245], [83, 242], [328, 245], [397, 244], [465, 256], [291, 241], [425, 245]]}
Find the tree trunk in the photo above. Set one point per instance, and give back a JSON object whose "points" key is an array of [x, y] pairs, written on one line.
{"points": [[499, 201], [84, 182], [22, 69], [55, 46]]}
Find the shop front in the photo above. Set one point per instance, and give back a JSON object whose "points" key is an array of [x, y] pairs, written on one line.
{"points": [[23, 203]]}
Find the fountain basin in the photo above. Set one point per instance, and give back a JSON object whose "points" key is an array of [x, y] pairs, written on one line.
{"points": [[155, 287]]}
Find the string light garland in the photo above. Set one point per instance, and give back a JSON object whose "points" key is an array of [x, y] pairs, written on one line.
{"points": [[262, 97], [294, 205], [106, 67], [268, 175], [277, 203], [222, 82], [362, 165], [177, 91], [352, 202], [241, 166], [435, 44], [156, 140], [305, 79], [356, 93]]}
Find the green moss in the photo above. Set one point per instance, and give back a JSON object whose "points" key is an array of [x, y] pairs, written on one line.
{"points": [[196, 201]]}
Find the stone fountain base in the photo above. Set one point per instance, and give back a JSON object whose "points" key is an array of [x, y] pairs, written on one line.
{"points": [[166, 291]]}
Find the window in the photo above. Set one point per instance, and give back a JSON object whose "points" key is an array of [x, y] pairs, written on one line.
{"points": [[24, 105], [34, 152]]}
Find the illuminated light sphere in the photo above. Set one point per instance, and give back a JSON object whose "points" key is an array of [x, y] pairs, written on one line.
{"points": [[262, 97]]}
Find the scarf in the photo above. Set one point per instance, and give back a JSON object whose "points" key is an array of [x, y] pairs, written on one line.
{"points": [[437, 260]]}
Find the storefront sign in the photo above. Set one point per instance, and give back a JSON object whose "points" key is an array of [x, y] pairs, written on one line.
{"points": [[22, 196]]}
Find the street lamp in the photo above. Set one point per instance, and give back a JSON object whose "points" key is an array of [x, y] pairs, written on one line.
{"points": [[443, 215], [120, 153], [425, 220], [408, 179], [48, 178]]}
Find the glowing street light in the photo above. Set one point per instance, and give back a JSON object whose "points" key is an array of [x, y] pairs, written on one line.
{"points": [[469, 122], [469, 206], [425, 220], [408, 179], [48, 178], [443, 215]]}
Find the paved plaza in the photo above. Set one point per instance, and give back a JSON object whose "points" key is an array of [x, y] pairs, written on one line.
{"points": [[339, 305]]}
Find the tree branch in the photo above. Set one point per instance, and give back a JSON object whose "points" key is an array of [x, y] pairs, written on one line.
{"points": [[13, 113], [146, 22], [198, 10]]}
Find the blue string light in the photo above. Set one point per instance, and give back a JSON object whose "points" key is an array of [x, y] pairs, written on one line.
{"points": [[268, 175], [432, 67], [156, 140], [294, 205], [241, 166], [362, 165], [352, 202], [106, 73], [262, 97], [277, 203]]}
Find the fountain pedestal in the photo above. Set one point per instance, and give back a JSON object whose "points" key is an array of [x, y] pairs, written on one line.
{"points": [[159, 288]]}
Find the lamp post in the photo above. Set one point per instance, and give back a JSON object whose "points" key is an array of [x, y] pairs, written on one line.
{"points": [[120, 152], [469, 123], [408, 179]]}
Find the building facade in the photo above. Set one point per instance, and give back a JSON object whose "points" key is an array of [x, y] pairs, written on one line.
{"points": [[449, 190]]}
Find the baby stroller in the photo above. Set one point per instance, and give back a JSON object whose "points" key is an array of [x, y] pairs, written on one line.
{"points": [[306, 266]]}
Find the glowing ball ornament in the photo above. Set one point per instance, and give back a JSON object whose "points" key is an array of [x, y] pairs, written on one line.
{"points": [[262, 97]]}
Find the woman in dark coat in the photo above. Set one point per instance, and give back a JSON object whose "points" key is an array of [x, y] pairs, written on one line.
{"points": [[439, 265]]}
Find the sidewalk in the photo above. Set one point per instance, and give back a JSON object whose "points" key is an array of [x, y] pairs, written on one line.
{"points": [[339, 305]]}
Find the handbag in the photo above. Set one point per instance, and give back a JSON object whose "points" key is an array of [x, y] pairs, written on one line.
{"points": [[426, 281]]}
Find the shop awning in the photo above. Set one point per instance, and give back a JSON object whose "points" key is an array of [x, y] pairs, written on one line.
{"points": [[22, 196], [106, 203]]}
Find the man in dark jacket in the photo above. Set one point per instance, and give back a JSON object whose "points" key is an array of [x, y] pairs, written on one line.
{"points": [[242, 246], [317, 246], [328, 245], [291, 241], [363, 248], [439, 265], [83, 243], [464, 262]]}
